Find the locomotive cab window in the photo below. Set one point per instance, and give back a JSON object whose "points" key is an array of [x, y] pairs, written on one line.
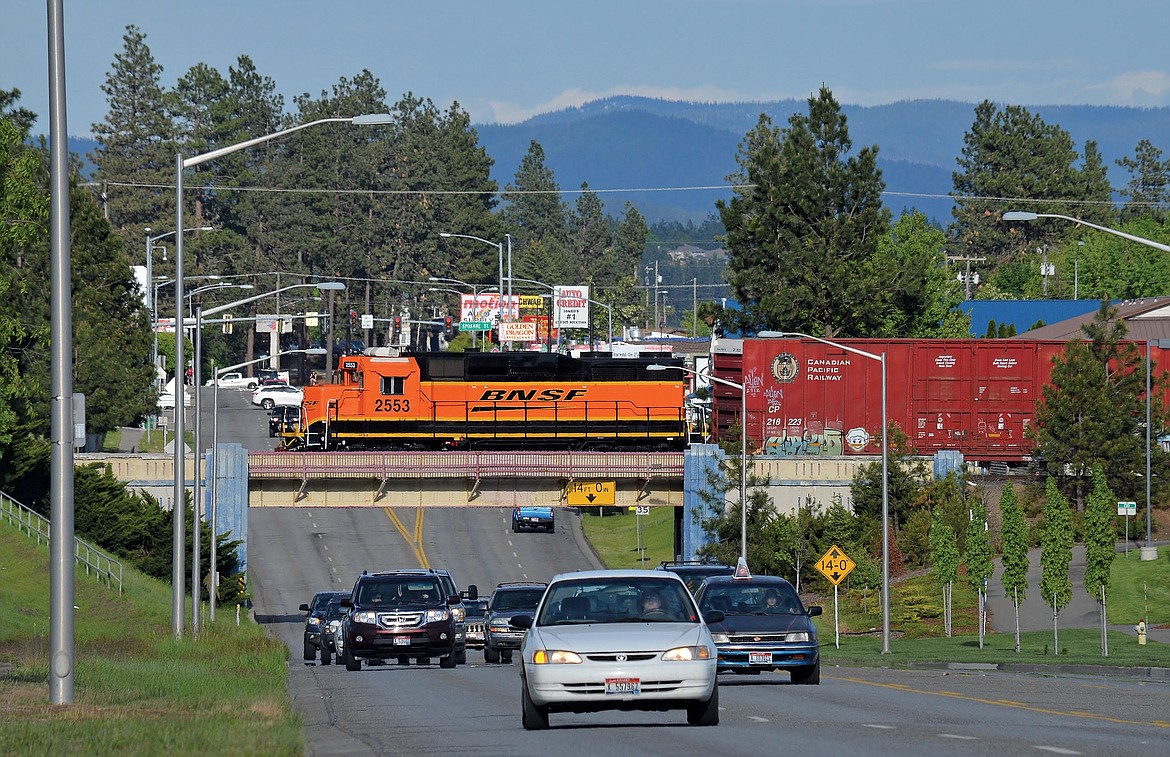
{"points": [[393, 386]]}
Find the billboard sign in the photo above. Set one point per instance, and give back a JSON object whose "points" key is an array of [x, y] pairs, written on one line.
{"points": [[485, 307], [571, 307]]}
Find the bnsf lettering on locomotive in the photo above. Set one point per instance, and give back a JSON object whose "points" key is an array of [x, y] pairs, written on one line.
{"points": [[528, 395]]}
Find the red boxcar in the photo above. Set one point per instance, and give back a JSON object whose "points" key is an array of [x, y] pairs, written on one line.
{"points": [[804, 397]]}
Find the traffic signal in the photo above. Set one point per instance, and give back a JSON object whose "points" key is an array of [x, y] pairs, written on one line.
{"points": [[449, 324], [353, 319], [397, 330]]}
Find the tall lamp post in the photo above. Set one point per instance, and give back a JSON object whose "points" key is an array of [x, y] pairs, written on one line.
{"points": [[213, 579], [181, 164], [196, 499], [150, 281], [1022, 215], [154, 314], [447, 280], [743, 508], [881, 358], [500, 247]]}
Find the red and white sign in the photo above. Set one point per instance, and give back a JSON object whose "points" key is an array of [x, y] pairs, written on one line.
{"points": [[571, 307], [485, 307]]}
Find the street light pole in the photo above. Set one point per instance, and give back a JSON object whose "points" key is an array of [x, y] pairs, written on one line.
{"points": [[881, 358], [1022, 215], [743, 505], [500, 248], [181, 164]]}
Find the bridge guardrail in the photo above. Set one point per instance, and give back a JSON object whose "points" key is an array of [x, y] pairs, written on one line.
{"points": [[478, 464], [97, 562]]}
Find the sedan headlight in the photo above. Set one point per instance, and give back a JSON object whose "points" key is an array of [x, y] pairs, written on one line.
{"points": [[555, 657], [684, 654], [334, 625], [437, 615], [798, 636], [501, 628], [365, 616], [720, 638]]}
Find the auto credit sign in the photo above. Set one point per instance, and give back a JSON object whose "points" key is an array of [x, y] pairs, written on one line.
{"points": [[571, 307]]}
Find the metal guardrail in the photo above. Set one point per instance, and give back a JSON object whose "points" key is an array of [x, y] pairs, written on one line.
{"points": [[383, 465], [97, 563]]}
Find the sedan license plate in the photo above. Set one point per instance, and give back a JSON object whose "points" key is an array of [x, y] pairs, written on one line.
{"points": [[402, 641], [623, 685], [759, 658]]}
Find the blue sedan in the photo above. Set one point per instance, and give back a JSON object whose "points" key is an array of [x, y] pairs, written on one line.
{"points": [[765, 626]]}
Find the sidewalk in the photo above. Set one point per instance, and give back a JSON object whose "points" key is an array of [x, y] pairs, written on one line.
{"points": [[1081, 612]]}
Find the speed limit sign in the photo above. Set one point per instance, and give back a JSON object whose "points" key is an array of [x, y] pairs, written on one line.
{"points": [[642, 510]]}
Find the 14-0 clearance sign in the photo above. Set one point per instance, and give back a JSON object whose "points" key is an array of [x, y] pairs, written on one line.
{"points": [[835, 565]]}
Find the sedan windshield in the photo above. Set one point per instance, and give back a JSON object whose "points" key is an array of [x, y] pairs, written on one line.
{"points": [[617, 600], [751, 599]]}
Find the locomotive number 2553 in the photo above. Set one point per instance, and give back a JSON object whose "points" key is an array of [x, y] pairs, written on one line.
{"points": [[392, 406]]}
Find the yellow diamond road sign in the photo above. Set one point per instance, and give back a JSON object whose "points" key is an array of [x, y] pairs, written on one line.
{"points": [[586, 493], [835, 565]]}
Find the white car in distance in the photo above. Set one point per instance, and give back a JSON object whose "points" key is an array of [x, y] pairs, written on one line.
{"points": [[271, 395], [234, 381], [617, 640]]}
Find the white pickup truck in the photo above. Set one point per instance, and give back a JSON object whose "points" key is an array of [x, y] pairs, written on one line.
{"points": [[235, 381]]}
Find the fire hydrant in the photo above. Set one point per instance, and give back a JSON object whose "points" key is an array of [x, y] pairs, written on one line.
{"points": [[1141, 631]]}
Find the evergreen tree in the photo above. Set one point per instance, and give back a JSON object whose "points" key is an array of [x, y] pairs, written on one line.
{"points": [[1056, 544], [944, 556], [1015, 552], [24, 208], [21, 118], [1148, 191], [135, 159], [803, 229], [1100, 546], [591, 236], [537, 217], [977, 555], [1092, 408], [1014, 153]]}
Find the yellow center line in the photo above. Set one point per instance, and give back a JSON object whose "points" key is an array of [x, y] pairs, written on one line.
{"points": [[413, 540], [1005, 703]]}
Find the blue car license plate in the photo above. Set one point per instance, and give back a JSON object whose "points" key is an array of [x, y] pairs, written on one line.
{"points": [[759, 658], [623, 685], [402, 641]]}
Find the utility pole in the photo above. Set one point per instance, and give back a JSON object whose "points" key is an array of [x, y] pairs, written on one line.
{"points": [[967, 279]]}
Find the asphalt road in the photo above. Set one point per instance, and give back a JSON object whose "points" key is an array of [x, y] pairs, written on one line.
{"points": [[420, 710]]}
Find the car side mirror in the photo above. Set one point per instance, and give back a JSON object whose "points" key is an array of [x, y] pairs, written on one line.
{"points": [[472, 592], [304, 608], [714, 616], [520, 621], [814, 611]]}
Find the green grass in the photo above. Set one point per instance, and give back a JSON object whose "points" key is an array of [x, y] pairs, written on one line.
{"points": [[136, 689], [153, 440], [917, 633], [615, 537]]}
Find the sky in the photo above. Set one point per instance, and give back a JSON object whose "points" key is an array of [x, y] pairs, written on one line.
{"points": [[507, 60]]}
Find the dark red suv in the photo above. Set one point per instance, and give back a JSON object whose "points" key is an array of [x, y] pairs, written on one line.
{"points": [[400, 615]]}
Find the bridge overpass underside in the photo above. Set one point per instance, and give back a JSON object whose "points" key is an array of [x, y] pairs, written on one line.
{"points": [[461, 479]]}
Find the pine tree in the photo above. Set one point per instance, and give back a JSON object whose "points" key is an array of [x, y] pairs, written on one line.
{"points": [[537, 218], [1148, 191], [924, 293], [944, 556], [803, 229], [135, 158], [1100, 546], [977, 555], [1091, 409], [1055, 556], [1014, 153], [1015, 552]]}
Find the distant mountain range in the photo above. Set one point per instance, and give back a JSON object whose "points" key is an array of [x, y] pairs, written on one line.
{"points": [[641, 143], [671, 159]]}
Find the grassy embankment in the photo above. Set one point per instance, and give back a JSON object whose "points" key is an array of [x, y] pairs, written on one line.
{"points": [[136, 689], [916, 610]]}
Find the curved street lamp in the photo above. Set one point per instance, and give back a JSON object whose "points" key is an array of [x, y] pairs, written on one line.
{"points": [[500, 247], [881, 358], [181, 164], [743, 445]]}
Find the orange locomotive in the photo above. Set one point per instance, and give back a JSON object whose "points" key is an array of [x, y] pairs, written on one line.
{"points": [[504, 400]]}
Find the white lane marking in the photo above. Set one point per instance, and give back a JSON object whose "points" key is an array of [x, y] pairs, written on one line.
{"points": [[957, 736], [326, 547], [330, 559], [758, 719], [333, 568], [875, 725], [1054, 749]]}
